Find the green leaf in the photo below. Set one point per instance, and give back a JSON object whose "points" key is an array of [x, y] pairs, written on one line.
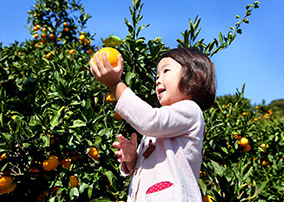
{"points": [[78, 123], [203, 187], [128, 77], [106, 132], [217, 168], [74, 192], [90, 191], [110, 176], [7, 136], [35, 120], [83, 186], [112, 41], [262, 186], [55, 119]]}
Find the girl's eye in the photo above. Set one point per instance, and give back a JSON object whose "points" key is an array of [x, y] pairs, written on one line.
{"points": [[166, 70]]}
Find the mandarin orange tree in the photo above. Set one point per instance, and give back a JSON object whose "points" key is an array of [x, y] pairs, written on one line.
{"points": [[230, 171], [51, 108]]}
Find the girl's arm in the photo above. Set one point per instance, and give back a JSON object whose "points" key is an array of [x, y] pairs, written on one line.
{"points": [[165, 122]]}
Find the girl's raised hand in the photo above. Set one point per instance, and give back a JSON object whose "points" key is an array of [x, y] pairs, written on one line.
{"points": [[104, 72], [126, 149]]}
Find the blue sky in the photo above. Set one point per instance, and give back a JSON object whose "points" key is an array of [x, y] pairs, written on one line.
{"points": [[254, 58]]}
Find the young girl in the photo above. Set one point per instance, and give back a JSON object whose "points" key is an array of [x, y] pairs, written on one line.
{"points": [[166, 165]]}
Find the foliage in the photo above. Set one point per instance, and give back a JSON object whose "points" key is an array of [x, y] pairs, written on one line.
{"points": [[278, 106], [51, 106], [229, 172]]}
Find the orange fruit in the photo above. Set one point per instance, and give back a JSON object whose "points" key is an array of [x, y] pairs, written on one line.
{"points": [[38, 27], [265, 163], [111, 54], [247, 148], [73, 181], [94, 152], [36, 35], [64, 24], [51, 163], [82, 37], [243, 142], [88, 42], [52, 36], [72, 51], [89, 51], [43, 29], [66, 29], [44, 36], [5, 182], [109, 98], [66, 163], [4, 155], [208, 198], [9, 189], [117, 116]]}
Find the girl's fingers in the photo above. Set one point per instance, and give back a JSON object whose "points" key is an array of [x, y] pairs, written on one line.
{"points": [[120, 63], [121, 138], [94, 68], [118, 153], [106, 63], [134, 139], [116, 145]]}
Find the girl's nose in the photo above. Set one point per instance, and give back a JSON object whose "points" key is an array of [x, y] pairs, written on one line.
{"points": [[158, 81]]}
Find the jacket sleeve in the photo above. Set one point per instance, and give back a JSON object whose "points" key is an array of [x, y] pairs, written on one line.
{"points": [[164, 122]]}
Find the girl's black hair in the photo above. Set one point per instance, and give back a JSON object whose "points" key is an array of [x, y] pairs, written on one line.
{"points": [[198, 75]]}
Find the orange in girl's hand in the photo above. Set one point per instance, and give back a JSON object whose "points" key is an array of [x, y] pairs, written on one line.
{"points": [[111, 54]]}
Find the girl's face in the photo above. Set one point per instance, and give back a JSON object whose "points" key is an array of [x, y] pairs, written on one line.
{"points": [[167, 83]]}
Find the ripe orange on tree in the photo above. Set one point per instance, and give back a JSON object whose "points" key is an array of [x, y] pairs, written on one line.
{"points": [[94, 152], [9, 189], [66, 29], [5, 182], [111, 54], [265, 163], [36, 35], [247, 148], [243, 142], [208, 198], [72, 51], [89, 51], [109, 98], [4, 155], [82, 37], [51, 163], [73, 181], [52, 36], [64, 24], [66, 163], [117, 116]]}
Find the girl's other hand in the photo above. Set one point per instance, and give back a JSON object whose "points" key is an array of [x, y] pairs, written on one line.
{"points": [[126, 149]]}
